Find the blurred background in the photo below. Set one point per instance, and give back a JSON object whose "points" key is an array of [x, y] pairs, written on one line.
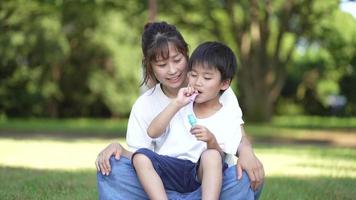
{"points": [[70, 71], [65, 59]]}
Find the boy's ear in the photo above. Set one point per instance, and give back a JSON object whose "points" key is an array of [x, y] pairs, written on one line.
{"points": [[225, 84]]}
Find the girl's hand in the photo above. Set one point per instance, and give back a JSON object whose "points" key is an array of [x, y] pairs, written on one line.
{"points": [[252, 165], [183, 96], [102, 161]]}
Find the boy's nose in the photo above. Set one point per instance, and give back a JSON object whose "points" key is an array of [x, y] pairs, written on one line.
{"points": [[199, 81]]}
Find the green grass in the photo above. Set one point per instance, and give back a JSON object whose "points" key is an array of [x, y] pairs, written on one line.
{"points": [[24, 183], [79, 127], [45, 167], [314, 122], [65, 170], [308, 172]]}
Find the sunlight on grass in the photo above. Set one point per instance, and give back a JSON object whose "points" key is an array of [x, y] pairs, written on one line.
{"points": [[65, 167], [51, 154], [301, 161], [308, 161]]}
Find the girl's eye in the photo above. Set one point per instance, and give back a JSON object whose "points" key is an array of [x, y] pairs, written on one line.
{"points": [[193, 75], [161, 65], [207, 78], [177, 60]]}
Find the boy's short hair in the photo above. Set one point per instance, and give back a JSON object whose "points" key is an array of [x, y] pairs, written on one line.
{"points": [[215, 55]]}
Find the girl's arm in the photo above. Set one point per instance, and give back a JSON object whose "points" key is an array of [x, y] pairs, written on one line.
{"points": [[160, 122], [249, 162], [247, 158]]}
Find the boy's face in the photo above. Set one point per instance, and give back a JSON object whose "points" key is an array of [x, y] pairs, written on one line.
{"points": [[207, 80]]}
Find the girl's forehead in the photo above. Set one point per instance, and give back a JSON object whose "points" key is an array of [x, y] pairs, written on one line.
{"points": [[166, 53]]}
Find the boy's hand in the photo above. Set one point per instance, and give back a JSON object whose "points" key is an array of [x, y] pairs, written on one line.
{"points": [[202, 134]]}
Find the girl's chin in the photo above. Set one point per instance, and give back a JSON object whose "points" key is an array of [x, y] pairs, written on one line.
{"points": [[175, 84]]}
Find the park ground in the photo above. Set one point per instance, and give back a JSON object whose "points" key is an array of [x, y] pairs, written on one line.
{"points": [[304, 157]]}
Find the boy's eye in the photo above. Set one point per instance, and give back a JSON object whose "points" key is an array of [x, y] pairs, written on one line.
{"points": [[193, 75], [207, 78]]}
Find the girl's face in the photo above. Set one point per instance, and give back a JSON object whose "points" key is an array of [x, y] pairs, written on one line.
{"points": [[208, 83], [171, 72]]}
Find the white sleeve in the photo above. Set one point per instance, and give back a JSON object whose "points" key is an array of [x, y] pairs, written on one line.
{"points": [[232, 142], [229, 100], [136, 136]]}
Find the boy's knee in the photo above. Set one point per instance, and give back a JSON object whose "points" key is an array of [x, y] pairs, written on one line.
{"points": [[140, 159], [211, 156]]}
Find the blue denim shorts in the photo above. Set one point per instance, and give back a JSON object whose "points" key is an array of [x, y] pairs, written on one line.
{"points": [[176, 174]]}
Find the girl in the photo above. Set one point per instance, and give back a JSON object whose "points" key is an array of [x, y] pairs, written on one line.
{"points": [[165, 56]]}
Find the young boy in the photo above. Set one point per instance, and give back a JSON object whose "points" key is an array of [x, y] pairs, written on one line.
{"points": [[211, 69]]}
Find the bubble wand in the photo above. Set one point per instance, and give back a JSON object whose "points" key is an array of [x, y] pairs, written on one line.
{"points": [[192, 120]]}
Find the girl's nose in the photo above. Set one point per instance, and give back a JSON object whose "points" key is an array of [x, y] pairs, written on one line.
{"points": [[172, 68]]}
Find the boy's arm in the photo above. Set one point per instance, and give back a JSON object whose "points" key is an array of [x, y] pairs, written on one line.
{"points": [[161, 121], [203, 134], [213, 144]]}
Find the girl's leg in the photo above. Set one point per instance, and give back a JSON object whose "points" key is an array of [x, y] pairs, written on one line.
{"points": [[210, 174], [122, 184], [148, 177], [237, 189]]}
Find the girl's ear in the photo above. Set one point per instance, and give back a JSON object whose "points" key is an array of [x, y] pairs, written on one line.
{"points": [[225, 84]]}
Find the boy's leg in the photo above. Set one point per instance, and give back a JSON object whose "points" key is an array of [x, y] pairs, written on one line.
{"points": [[148, 177], [172, 171], [210, 174]]}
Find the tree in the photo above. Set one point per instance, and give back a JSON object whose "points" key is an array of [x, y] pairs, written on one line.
{"points": [[69, 58], [264, 34]]}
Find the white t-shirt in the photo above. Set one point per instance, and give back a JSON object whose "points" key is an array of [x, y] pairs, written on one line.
{"points": [[177, 141]]}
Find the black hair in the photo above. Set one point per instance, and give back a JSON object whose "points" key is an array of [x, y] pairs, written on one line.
{"points": [[215, 55]]}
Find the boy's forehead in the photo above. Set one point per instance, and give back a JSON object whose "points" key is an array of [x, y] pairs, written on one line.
{"points": [[204, 67]]}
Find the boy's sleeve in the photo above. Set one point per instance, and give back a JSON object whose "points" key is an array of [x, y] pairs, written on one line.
{"points": [[229, 101]]}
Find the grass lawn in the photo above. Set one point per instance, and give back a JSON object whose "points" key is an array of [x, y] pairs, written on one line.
{"points": [[60, 163]]}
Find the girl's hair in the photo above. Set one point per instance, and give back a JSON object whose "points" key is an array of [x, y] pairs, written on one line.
{"points": [[155, 39]]}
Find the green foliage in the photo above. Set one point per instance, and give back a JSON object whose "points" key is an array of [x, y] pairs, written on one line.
{"points": [[322, 61], [67, 58], [82, 58]]}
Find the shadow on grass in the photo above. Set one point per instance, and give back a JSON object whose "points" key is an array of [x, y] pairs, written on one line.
{"points": [[315, 123], [55, 135], [309, 188], [23, 183]]}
